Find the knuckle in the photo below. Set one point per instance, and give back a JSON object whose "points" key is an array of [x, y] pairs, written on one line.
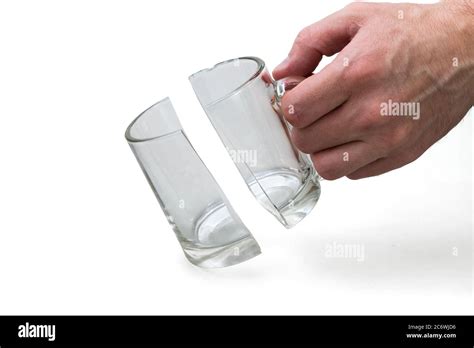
{"points": [[354, 6], [363, 70], [325, 170], [354, 71], [357, 8], [301, 140], [366, 123], [303, 36], [328, 174], [291, 111], [391, 140], [397, 136], [368, 120]]}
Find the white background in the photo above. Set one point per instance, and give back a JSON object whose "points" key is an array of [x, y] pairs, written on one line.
{"points": [[82, 233]]}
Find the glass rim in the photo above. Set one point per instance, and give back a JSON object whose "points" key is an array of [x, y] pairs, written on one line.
{"points": [[259, 70], [132, 139]]}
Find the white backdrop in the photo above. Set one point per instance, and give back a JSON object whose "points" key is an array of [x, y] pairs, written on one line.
{"points": [[82, 233]]}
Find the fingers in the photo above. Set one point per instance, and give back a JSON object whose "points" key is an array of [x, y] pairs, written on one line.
{"points": [[325, 37], [381, 166], [336, 128], [316, 96], [343, 160], [404, 156]]}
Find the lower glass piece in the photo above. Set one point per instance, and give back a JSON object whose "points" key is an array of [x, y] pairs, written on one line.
{"points": [[224, 256], [220, 240], [285, 195]]}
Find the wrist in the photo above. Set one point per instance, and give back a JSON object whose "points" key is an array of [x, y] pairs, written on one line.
{"points": [[458, 15]]}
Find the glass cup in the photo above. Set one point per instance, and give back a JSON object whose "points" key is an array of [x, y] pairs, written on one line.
{"points": [[207, 227], [242, 102]]}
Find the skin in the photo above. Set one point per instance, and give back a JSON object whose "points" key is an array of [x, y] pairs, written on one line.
{"points": [[400, 52]]}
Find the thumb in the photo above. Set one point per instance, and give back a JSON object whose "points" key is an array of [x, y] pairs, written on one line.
{"points": [[323, 38]]}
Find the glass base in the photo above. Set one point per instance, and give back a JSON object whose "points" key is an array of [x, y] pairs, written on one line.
{"points": [[285, 195], [220, 240], [224, 256]]}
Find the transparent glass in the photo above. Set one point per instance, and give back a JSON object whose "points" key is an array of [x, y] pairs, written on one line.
{"points": [[242, 102], [207, 227]]}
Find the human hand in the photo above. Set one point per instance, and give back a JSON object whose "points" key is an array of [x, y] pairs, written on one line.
{"points": [[410, 59]]}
